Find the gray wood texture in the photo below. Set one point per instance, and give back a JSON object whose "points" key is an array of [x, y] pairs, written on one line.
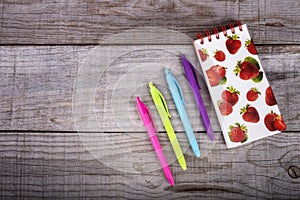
{"points": [[56, 165], [90, 21], [44, 48], [37, 85]]}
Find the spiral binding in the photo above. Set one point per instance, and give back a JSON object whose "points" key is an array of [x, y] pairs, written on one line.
{"points": [[216, 32]]}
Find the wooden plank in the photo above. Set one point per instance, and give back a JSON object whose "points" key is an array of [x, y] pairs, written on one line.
{"points": [[88, 22], [57, 165], [37, 84]]}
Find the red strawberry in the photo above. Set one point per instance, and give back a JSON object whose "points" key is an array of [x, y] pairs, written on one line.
{"points": [[219, 55], [203, 54], [250, 114], [225, 108], [246, 70], [270, 98], [233, 44], [238, 133], [221, 71], [279, 123], [216, 75], [269, 121], [252, 94], [231, 95], [249, 44], [213, 77]]}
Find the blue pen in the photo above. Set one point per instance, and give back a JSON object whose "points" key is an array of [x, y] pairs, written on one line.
{"points": [[176, 92]]}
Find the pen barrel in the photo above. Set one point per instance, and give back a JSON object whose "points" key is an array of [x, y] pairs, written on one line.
{"points": [[204, 115], [161, 157], [159, 152], [173, 139], [156, 146], [151, 130], [162, 113], [186, 124]]}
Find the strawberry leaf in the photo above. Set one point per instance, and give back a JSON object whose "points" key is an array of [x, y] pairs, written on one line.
{"points": [[231, 89], [223, 80], [258, 78], [248, 42], [237, 69], [244, 109], [254, 89], [205, 52], [233, 37], [245, 139]]}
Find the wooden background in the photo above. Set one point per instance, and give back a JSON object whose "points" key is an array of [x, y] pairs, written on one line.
{"points": [[43, 44]]}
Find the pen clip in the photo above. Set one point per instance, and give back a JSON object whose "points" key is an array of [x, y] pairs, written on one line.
{"points": [[145, 110], [178, 88], [161, 98], [187, 64], [195, 75]]}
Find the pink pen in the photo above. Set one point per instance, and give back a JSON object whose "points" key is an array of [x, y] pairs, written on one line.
{"points": [[151, 129]]}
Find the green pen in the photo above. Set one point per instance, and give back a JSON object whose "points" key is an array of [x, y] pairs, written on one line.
{"points": [[164, 114]]}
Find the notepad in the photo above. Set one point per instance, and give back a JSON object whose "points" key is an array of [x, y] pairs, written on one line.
{"points": [[241, 94]]}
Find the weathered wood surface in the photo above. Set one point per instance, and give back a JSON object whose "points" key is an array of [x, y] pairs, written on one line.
{"points": [[37, 84], [89, 21], [43, 45], [57, 165]]}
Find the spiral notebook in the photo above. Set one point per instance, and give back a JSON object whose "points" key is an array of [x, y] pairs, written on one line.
{"points": [[241, 94]]}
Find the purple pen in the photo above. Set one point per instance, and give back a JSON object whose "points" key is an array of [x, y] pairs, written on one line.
{"points": [[193, 81]]}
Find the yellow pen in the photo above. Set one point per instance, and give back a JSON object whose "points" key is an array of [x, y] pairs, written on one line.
{"points": [[164, 114]]}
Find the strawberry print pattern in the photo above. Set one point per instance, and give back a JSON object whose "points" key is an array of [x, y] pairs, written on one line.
{"points": [[239, 89]]}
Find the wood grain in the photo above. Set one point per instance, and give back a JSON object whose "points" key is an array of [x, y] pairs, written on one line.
{"points": [[57, 165], [37, 83], [89, 21], [44, 48]]}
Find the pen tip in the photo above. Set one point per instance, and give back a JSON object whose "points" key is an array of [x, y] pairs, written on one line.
{"points": [[167, 71], [171, 182], [150, 84], [137, 99], [211, 135], [182, 56]]}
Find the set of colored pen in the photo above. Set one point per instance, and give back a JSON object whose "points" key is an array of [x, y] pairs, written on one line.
{"points": [[162, 109]]}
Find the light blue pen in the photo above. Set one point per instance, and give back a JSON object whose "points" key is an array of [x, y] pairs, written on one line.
{"points": [[176, 92]]}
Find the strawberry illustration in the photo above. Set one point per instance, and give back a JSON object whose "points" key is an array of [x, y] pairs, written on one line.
{"points": [[269, 121], [246, 70], [274, 122], [249, 114], [225, 108], [219, 55], [220, 70], [216, 75], [233, 44], [213, 77], [279, 123], [252, 94], [238, 133], [253, 61], [203, 54], [249, 44], [258, 78], [231, 95], [270, 98]]}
